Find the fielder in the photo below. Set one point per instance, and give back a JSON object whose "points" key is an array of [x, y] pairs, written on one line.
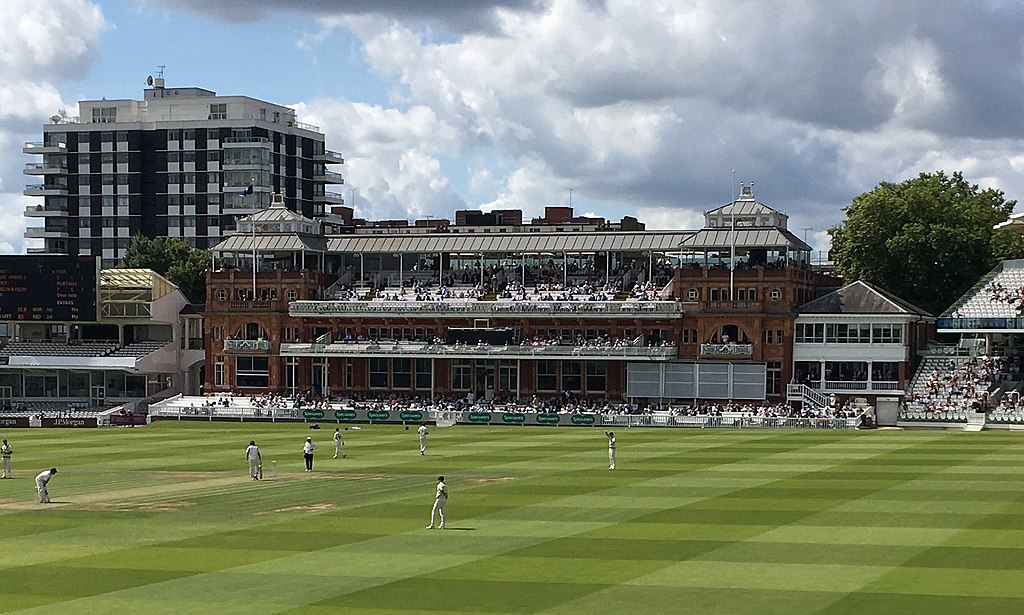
{"points": [[440, 499], [6, 451], [42, 479], [252, 454], [423, 438], [611, 449], [338, 444]]}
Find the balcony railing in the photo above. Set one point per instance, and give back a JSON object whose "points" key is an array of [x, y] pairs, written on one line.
{"points": [[246, 345], [330, 177], [254, 306], [45, 190], [39, 232], [717, 350], [42, 168], [262, 141], [38, 147], [334, 197], [36, 211], [331, 157], [838, 386], [511, 351], [519, 309], [732, 306]]}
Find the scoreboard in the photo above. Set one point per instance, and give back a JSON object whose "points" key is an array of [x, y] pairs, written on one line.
{"points": [[48, 288]]}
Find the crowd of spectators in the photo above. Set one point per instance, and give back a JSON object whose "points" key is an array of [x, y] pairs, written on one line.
{"points": [[561, 404], [766, 409], [548, 281], [1012, 296], [961, 384]]}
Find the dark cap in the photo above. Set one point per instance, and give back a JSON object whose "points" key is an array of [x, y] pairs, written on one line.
{"points": [[53, 470], [440, 478], [252, 442]]}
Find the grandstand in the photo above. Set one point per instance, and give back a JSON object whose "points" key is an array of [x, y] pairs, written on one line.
{"points": [[997, 295], [974, 379]]}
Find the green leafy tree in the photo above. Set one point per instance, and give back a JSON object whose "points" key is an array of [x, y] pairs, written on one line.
{"points": [[927, 239], [173, 258]]}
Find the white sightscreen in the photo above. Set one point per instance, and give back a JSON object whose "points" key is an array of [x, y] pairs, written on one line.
{"points": [[688, 380]]}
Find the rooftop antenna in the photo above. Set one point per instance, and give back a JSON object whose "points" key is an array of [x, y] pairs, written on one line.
{"points": [[570, 196], [805, 229], [158, 81]]}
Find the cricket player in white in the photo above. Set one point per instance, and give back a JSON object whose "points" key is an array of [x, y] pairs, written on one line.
{"points": [[338, 443], [611, 449], [307, 453], [6, 451], [439, 501], [42, 479], [423, 439], [252, 454]]}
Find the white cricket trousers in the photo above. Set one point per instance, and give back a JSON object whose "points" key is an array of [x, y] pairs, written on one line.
{"points": [[438, 509]]}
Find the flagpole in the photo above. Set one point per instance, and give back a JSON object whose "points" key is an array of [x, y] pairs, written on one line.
{"points": [[252, 222], [732, 240]]}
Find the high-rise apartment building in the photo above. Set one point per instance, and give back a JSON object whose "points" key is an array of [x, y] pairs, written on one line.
{"points": [[177, 163]]}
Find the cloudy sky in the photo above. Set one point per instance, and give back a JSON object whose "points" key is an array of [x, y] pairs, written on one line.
{"points": [[648, 108]]}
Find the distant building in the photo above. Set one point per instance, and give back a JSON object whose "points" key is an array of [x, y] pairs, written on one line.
{"points": [[145, 343], [175, 164]]}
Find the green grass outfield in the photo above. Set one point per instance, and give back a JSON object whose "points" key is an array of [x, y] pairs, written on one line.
{"points": [[164, 519]]}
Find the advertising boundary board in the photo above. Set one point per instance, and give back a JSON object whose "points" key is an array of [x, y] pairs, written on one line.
{"points": [[70, 422]]}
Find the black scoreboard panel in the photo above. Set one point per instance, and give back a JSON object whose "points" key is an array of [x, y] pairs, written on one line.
{"points": [[48, 288]]}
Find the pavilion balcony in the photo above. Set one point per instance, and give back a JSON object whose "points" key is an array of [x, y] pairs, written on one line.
{"points": [[469, 351], [461, 309], [246, 346], [856, 386], [726, 350]]}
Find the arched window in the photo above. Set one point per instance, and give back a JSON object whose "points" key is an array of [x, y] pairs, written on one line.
{"points": [[253, 331]]}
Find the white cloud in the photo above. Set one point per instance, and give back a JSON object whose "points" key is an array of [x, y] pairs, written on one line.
{"points": [[669, 218], [655, 101], [43, 44], [643, 106], [391, 156]]}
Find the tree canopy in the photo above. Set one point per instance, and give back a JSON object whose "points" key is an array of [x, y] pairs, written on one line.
{"points": [[173, 258], [927, 239]]}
